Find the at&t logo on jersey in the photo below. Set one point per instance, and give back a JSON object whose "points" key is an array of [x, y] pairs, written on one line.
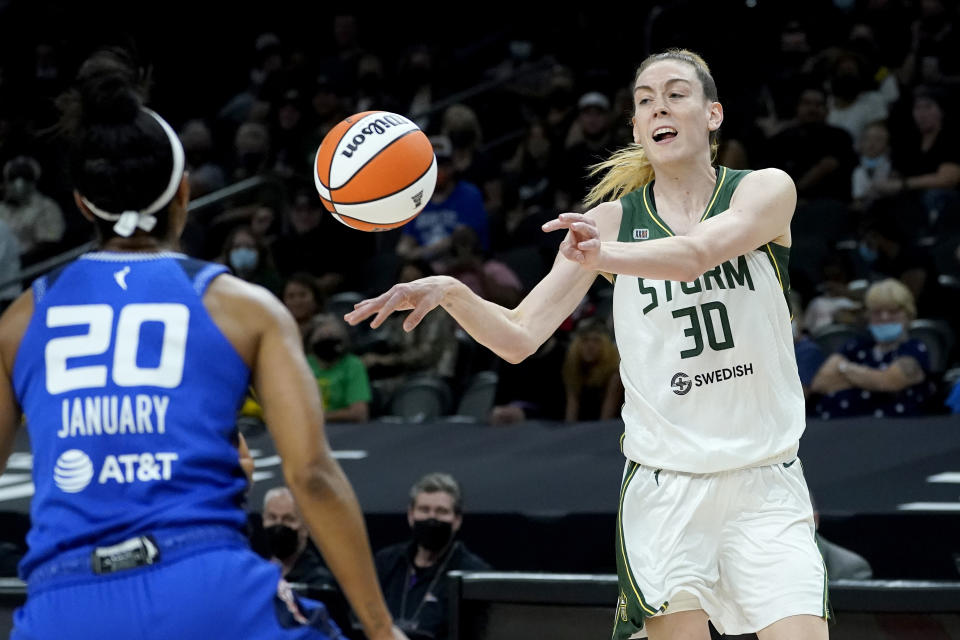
{"points": [[74, 469]]}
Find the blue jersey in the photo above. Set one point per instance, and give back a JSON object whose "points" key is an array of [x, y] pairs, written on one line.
{"points": [[130, 393]]}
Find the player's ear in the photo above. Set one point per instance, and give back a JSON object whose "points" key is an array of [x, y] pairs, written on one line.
{"points": [[715, 116], [83, 208]]}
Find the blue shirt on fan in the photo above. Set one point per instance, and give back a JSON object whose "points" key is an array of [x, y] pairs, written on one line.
{"points": [[130, 393], [437, 221]]}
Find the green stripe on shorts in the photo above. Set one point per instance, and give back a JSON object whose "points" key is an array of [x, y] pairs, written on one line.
{"points": [[632, 609]]}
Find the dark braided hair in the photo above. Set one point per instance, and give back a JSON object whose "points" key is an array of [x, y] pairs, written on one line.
{"points": [[120, 156]]}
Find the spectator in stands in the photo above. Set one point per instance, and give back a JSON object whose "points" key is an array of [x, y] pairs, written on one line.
{"points": [[341, 376], [268, 62], [926, 164], [413, 575], [819, 157], [371, 86], [293, 152], [288, 541], [591, 374], [853, 103], [833, 304], [841, 563], [204, 174], [590, 140], [809, 355], [264, 224], [875, 166], [886, 374], [429, 349], [462, 127], [490, 279], [302, 297], [417, 85], [249, 259], [252, 150], [531, 389], [35, 219], [9, 265], [454, 202]]}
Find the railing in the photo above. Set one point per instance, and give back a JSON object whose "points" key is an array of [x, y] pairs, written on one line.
{"points": [[195, 206]]}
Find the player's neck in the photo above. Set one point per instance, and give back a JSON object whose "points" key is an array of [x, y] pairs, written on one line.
{"points": [[136, 244], [685, 189]]}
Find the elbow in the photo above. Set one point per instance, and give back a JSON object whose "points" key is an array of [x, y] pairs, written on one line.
{"points": [[695, 261], [516, 356], [314, 478]]}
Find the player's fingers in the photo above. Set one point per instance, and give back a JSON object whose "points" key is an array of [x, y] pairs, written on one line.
{"points": [[415, 316], [587, 229], [365, 308], [392, 304], [555, 225]]}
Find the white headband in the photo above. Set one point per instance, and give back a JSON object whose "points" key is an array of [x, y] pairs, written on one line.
{"points": [[128, 221]]}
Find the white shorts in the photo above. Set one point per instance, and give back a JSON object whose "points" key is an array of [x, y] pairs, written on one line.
{"points": [[741, 545]]}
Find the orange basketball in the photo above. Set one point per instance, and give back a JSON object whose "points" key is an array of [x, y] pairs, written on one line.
{"points": [[375, 171]]}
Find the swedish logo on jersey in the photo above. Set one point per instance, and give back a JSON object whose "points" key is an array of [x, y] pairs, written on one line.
{"points": [[641, 234]]}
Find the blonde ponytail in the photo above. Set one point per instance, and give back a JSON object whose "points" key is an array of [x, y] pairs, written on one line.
{"points": [[626, 170]]}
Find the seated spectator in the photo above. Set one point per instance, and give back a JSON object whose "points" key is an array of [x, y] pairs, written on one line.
{"points": [[833, 304], [34, 218], [265, 224], [341, 376], [454, 202], [288, 541], [591, 375], [841, 563], [413, 575], [853, 104], [490, 279], [874, 167], [9, 265], [884, 375], [819, 157], [462, 127], [250, 260], [430, 348], [809, 355], [204, 174], [926, 164], [531, 389], [302, 297], [590, 141]]}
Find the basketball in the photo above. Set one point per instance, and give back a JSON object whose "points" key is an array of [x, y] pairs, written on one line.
{"points": [[375, 171]]}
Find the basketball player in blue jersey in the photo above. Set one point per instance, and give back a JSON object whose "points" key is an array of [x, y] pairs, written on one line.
{"points": [[714, 518], [129, 365]]}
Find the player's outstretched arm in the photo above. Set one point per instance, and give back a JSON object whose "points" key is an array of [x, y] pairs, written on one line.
{"points": [[13, 325], [760, 212], [513, 334], [292, 411]]}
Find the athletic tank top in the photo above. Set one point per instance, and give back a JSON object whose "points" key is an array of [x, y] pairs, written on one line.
{"points": [[708, 366], [130, 393]]}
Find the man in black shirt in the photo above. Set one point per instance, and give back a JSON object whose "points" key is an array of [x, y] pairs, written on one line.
{"points": [[288, 541], [413, 574]]}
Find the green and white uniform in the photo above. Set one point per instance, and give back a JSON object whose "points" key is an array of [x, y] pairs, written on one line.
{"points": [[708, 366], [714, 511]]}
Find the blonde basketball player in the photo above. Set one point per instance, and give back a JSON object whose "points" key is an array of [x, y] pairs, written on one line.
{"points": [[714, 521]]}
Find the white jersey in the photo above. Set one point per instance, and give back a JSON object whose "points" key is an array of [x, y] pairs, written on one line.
{"points": [[708, 366]]}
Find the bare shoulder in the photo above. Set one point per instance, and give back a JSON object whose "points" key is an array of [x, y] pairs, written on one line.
{"points": [[607, 216], [244, 312], [13, 324], [770, 180]]}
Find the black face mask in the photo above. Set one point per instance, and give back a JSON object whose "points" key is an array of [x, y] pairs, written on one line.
{"points": [[432, 534], [328, 349], [281, 540]]}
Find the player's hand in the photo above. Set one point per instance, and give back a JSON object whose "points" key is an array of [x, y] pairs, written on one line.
{"points": [[421, 296], [582, 244]]}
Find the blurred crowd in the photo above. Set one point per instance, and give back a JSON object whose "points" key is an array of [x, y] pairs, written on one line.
{"points": [[861, 115]]}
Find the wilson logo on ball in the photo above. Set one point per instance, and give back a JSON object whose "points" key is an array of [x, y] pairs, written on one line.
{"points": [[375, 171]]}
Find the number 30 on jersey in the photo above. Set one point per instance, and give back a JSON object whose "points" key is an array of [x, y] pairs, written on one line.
{"points": [[125, 372]]}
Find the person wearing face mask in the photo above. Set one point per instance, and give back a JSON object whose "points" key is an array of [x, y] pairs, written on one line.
{"points": [[250, 259], [35, 219], [287, 540], [413, 574], [885, 374], [341, 375]]}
